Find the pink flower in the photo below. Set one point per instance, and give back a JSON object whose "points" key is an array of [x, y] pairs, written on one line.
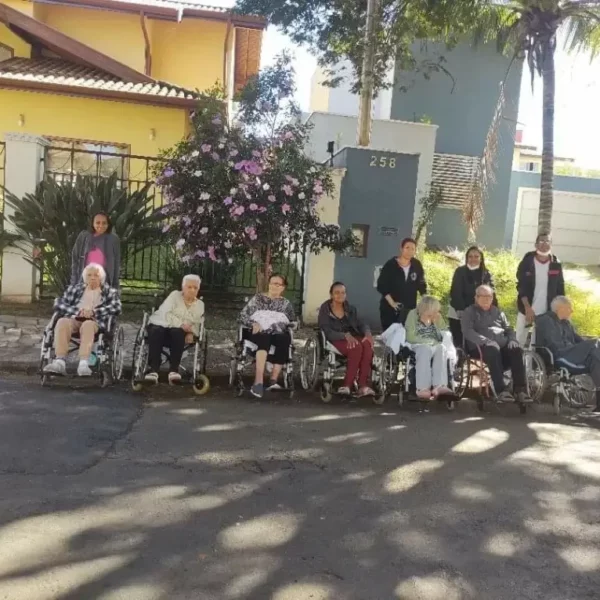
{"points": [[286, 208], [253, 206], [256, 154], [211, 253], [287, 190], [215, 156], [180, 244], [251, 233], [205, 148], [288, 135], [271, 198], [262, 209], [292, 180], [227, 201], [233, 152], [238, 210]]}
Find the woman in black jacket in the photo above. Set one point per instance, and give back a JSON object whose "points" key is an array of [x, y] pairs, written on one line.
{"points": [[467, 278], [399, 281]]}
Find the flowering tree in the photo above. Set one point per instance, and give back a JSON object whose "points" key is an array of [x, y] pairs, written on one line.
{"points": [[247, 188]]}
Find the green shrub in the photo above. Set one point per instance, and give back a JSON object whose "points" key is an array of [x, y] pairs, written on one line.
{"points": [[440, 267]]}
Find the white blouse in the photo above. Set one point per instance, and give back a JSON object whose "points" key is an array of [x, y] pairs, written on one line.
{"points": [[173, 312]]}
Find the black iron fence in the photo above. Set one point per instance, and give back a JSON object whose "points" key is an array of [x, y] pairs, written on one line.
{"points": [[150, 269]]}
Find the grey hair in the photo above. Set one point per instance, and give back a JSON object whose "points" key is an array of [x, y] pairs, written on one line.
{"points": [[484, 288], [191, 277], [558, 301], [94, 267], [428, 304]]}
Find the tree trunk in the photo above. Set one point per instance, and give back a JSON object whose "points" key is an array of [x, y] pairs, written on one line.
{"points": [[367, 80], [263, 268], [547, 178]]}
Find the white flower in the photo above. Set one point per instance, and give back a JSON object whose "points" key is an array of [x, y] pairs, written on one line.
{"points": [[204, 196], [231, 163], [301, 195], [266, 187], [195, 153], [197, 173], [233, 191], [221, 146], [312, 170]]}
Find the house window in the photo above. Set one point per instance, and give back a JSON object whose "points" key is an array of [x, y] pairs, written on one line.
{"points": [[6, 52], [361, 233], [67, 158], [531, 167]]}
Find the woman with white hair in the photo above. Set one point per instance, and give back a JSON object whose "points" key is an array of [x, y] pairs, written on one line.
{"points": [[85, 308], [175, 323], [425, 332]]}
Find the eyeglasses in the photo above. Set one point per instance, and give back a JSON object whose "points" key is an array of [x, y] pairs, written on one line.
{"points": [[276, 284], [484, 296]]}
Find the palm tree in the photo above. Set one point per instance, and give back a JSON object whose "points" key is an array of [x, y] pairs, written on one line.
{"points": [[529, 29]]}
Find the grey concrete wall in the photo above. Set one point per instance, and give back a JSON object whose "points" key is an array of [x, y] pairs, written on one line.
{"points": [[464, 116], [381, 198]]}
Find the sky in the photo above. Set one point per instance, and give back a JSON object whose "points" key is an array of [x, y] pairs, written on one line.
{"points": [[577, 118]]}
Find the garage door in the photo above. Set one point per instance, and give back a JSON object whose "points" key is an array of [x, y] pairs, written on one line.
{"points": [[575, 225]]}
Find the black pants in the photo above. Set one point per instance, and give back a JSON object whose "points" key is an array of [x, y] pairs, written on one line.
{"points": [[584, 353], [388, 316], [499, 360], [456, 331], [160, 337], [280, 341]]}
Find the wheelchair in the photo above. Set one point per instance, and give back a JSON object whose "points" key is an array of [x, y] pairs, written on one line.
{"points": [[323, 365], [571, 383], [398, 372], [108, 350], [244, 356], [472, 373], [194, 353]]}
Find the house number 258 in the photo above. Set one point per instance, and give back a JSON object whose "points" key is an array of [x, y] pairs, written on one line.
{"points": [[383, 162]]}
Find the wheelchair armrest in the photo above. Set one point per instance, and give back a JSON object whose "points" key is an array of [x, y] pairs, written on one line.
{"points": [[294, 325], [53, 320], [546, 351]]}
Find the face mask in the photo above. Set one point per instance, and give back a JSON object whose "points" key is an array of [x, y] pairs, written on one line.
{"points": [[472, 267], [546, 253]]}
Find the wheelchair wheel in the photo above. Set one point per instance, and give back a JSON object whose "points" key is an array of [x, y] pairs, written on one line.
{"points": [[140, 361], [388, 370], [117, 354], [201, 383], [535, 375], [462, 376], [579, 391], [326, 393], [309, 365]]}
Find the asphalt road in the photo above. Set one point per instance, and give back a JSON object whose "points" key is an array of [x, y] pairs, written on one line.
{"points": [[105, 497]]}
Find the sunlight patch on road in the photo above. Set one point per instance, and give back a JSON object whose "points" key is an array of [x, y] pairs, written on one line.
{"points": [[138, 591], [435, 587], [207, 502], [220, 427], [584, 559], [243, 585], [469, 491], [269, 531], [468, 420], [304, 591], [421, 545], [482, 441], [336, 439], [505, 544], [408, 476]]}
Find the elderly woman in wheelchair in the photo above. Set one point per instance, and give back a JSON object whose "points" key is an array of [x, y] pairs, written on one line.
{"points": [[568, 355], [85, 312], [425, 332], [351, 337], [266, 325], [178, 324]]}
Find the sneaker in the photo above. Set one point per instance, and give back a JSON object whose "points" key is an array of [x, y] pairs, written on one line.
{"points": [[524, 398], [151, 377], [83, 370], [56, 367], [273, 386], [365, 391], [257, 390], [344, 391], [505, 396], [174, 378]]}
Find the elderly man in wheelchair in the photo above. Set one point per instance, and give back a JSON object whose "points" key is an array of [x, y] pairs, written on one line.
{"points": [[565, 349], [165, 335], [85, 313]]}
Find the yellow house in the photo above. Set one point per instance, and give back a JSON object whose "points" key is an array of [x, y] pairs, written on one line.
{"points": [[117, 76]]}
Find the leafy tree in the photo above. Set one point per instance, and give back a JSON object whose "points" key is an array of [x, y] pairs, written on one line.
{"points": [[335, 31], [248, 187], [50, 219], [529, 29]]}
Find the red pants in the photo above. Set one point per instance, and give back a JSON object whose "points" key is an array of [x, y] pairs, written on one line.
{"points": [[359, 361]]}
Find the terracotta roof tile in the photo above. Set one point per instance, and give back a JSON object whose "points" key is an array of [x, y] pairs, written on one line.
{"points": [[56, 71]]}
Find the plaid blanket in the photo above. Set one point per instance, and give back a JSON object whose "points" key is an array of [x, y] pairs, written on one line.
{"points": [[110, 304]]}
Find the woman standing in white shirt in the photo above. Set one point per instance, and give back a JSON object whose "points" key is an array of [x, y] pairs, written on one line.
{"points": [[174, 324]]}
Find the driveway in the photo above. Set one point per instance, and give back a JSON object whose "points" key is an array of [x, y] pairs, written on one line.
{"points": [[225, 499]]}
